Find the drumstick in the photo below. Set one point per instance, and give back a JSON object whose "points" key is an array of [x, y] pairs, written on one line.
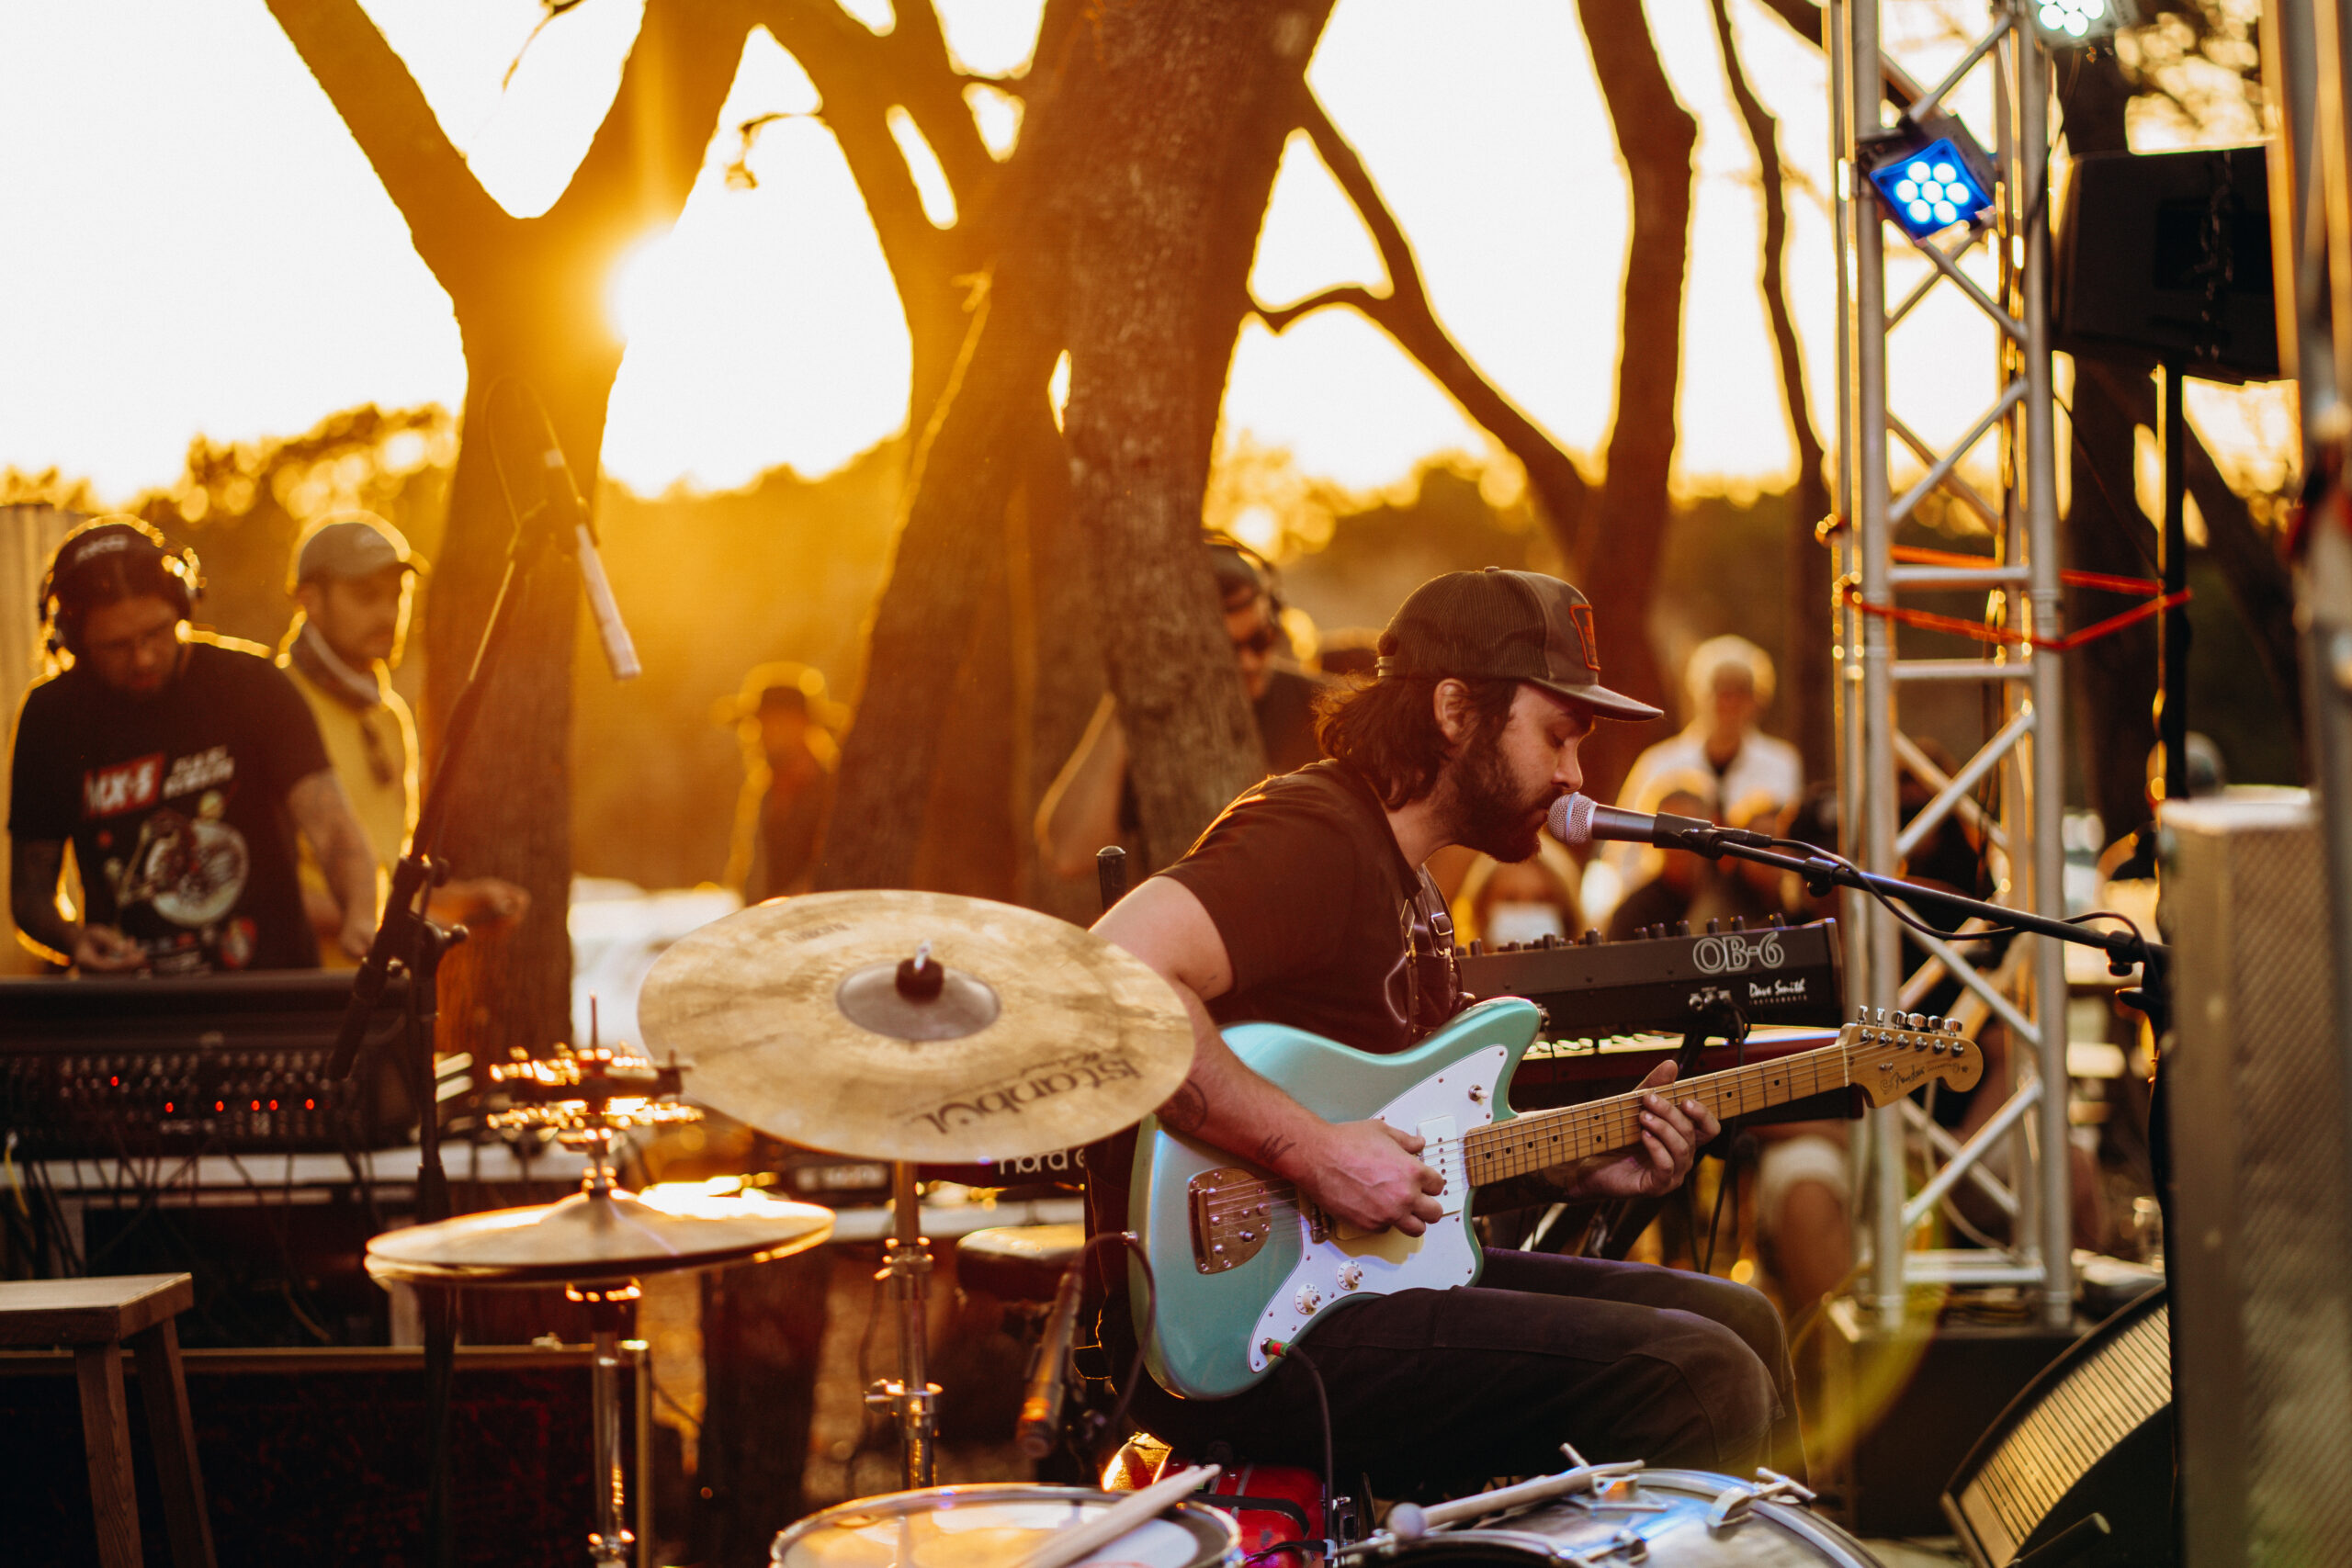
{"points": [[1067, 1546]]}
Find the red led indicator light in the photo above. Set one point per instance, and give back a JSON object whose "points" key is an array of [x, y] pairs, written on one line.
{"points": [[273, 1105], [309, 1105], [218, 1106]]}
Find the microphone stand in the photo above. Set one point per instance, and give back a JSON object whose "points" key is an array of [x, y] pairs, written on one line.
{"points": [[409, 938]]}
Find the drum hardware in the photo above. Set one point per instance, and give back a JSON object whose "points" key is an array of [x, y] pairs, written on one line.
{"points": [[999, 1034], [1412, 1521], [1606, 1514], [1769, 1487], [597, 1242]]}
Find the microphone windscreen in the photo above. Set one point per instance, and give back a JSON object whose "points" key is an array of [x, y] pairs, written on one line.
{"points": [[1571, 819]]}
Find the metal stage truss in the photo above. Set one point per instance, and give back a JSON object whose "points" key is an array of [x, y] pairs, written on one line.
{"points": [[2016, 567]]}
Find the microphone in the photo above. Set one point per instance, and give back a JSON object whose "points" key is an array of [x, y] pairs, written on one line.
{"points": [[620, 653], [1041, 1399], [1579, 819]]}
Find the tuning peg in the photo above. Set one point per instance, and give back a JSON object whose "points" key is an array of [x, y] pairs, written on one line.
{"points": [[1915, 1020]]}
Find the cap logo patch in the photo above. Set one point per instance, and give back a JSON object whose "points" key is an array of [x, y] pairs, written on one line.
{"points": [[1582, 616]]}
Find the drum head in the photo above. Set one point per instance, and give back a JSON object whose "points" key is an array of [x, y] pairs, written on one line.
{"points": [[1660, 1520], [992, 1526]]}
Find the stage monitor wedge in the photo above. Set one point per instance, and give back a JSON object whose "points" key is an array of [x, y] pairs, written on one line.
{"points": [[2165, 256], [2092, 1436]]}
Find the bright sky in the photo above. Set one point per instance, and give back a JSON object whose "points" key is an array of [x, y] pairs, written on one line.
{"points": [[198, 246]]}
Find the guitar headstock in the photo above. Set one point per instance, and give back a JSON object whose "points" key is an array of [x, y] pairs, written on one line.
{"points": [[1891, 1054]]}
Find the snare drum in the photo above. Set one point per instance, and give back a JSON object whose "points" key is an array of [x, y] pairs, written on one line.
{"points": [[1661, 1517], [988, 1527]]}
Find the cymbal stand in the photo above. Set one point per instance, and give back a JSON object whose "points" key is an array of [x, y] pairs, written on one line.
{"points": [[910, 1397], [611, 1544]]}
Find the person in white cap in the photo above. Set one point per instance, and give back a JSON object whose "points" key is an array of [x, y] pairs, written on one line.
{"points": [[353, 576], [1728, 680]]}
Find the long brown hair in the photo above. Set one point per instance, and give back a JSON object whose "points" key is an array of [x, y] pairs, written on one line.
{"points": [[1387, 730]]}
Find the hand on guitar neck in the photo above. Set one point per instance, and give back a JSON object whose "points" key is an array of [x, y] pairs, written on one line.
{"points": [[1672, 1135]]}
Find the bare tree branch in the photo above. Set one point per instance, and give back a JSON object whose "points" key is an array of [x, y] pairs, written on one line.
{"points": [[643, 159], [450, 218], [1406, 314]]}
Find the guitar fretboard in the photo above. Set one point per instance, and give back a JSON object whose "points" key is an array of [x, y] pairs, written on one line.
{"points": [[1545, 1138]]}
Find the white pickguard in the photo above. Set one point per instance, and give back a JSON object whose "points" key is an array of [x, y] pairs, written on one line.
{"points": [[1442, 1109]]}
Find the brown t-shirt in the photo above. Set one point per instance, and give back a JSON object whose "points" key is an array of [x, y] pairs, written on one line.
{"points": [[1324, 919], [1327, 926]]}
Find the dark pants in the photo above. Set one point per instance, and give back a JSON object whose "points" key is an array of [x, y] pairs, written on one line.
{"points": [[1434, 1387]]}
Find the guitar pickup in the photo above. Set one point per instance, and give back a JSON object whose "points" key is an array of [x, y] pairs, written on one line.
{"points": [[1437, 1137]]}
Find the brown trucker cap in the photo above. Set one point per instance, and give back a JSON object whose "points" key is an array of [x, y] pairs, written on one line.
{"points": [[1498, 625]]}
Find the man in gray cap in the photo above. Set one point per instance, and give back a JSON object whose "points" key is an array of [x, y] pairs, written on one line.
{"points": [[1306, 904], [353, 576]]}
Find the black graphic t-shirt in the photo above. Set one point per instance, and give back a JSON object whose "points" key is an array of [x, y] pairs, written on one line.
{"points": [[176, 806]]}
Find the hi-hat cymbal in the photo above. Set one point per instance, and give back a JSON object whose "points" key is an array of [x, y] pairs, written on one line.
{"points": [[812, 1019], [590, 1236]]}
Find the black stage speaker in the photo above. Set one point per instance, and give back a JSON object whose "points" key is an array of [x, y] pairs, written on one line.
{"points": [[319, 1457], [2092, 1436], [2261, 1259], [2166, 257]]}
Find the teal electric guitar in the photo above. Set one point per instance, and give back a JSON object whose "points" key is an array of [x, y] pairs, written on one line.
{"points": [[1245, 1267]]}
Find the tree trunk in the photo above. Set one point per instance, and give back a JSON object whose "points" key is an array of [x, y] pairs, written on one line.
{"points": [[1806, 672], [950, 544], [2112, 681], [1157, 287], [1618, 568], [529, 301]]}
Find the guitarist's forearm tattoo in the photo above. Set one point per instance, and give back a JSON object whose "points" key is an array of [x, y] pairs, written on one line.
{"points": [[1187, 1109], [1274, 1148]]}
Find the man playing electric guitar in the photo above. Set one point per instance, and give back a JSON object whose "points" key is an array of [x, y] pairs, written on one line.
{"points": [[1306, 904]]}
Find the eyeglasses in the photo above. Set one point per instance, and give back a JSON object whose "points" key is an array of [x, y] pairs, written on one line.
{"points": [[1261, 641]]}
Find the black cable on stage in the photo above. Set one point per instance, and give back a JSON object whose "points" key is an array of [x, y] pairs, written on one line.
{"points": [[1151, 1313], [1323, 1407]]}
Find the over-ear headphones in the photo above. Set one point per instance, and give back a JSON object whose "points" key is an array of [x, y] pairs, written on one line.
{"points": [[135, 554]]}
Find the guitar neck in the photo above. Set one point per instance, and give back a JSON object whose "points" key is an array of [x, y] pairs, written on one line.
{"points": [[1543, 1138]]}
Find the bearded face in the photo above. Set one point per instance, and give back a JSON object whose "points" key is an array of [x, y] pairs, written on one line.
{"points": [[1491, 807]]}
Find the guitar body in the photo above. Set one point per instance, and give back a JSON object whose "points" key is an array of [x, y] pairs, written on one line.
{"points": [[1236, 1267]]}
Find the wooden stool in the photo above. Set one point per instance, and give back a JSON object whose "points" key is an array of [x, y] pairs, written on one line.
{"points": [[94, 1318]]}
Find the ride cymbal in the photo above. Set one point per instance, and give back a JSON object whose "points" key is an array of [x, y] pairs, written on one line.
{"points": [[595, 1236], [917, 1026]]}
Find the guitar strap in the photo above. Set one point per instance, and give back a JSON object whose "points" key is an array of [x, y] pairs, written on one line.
{"points": [[1433, 975]]}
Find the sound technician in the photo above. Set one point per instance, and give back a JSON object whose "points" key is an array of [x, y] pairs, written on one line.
{"points": [[180, 768]]}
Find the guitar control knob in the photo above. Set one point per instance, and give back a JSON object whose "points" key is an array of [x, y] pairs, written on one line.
{"points": [[1714, 926], [1591, 937], [1309, 1298], [1350, 1276]]}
